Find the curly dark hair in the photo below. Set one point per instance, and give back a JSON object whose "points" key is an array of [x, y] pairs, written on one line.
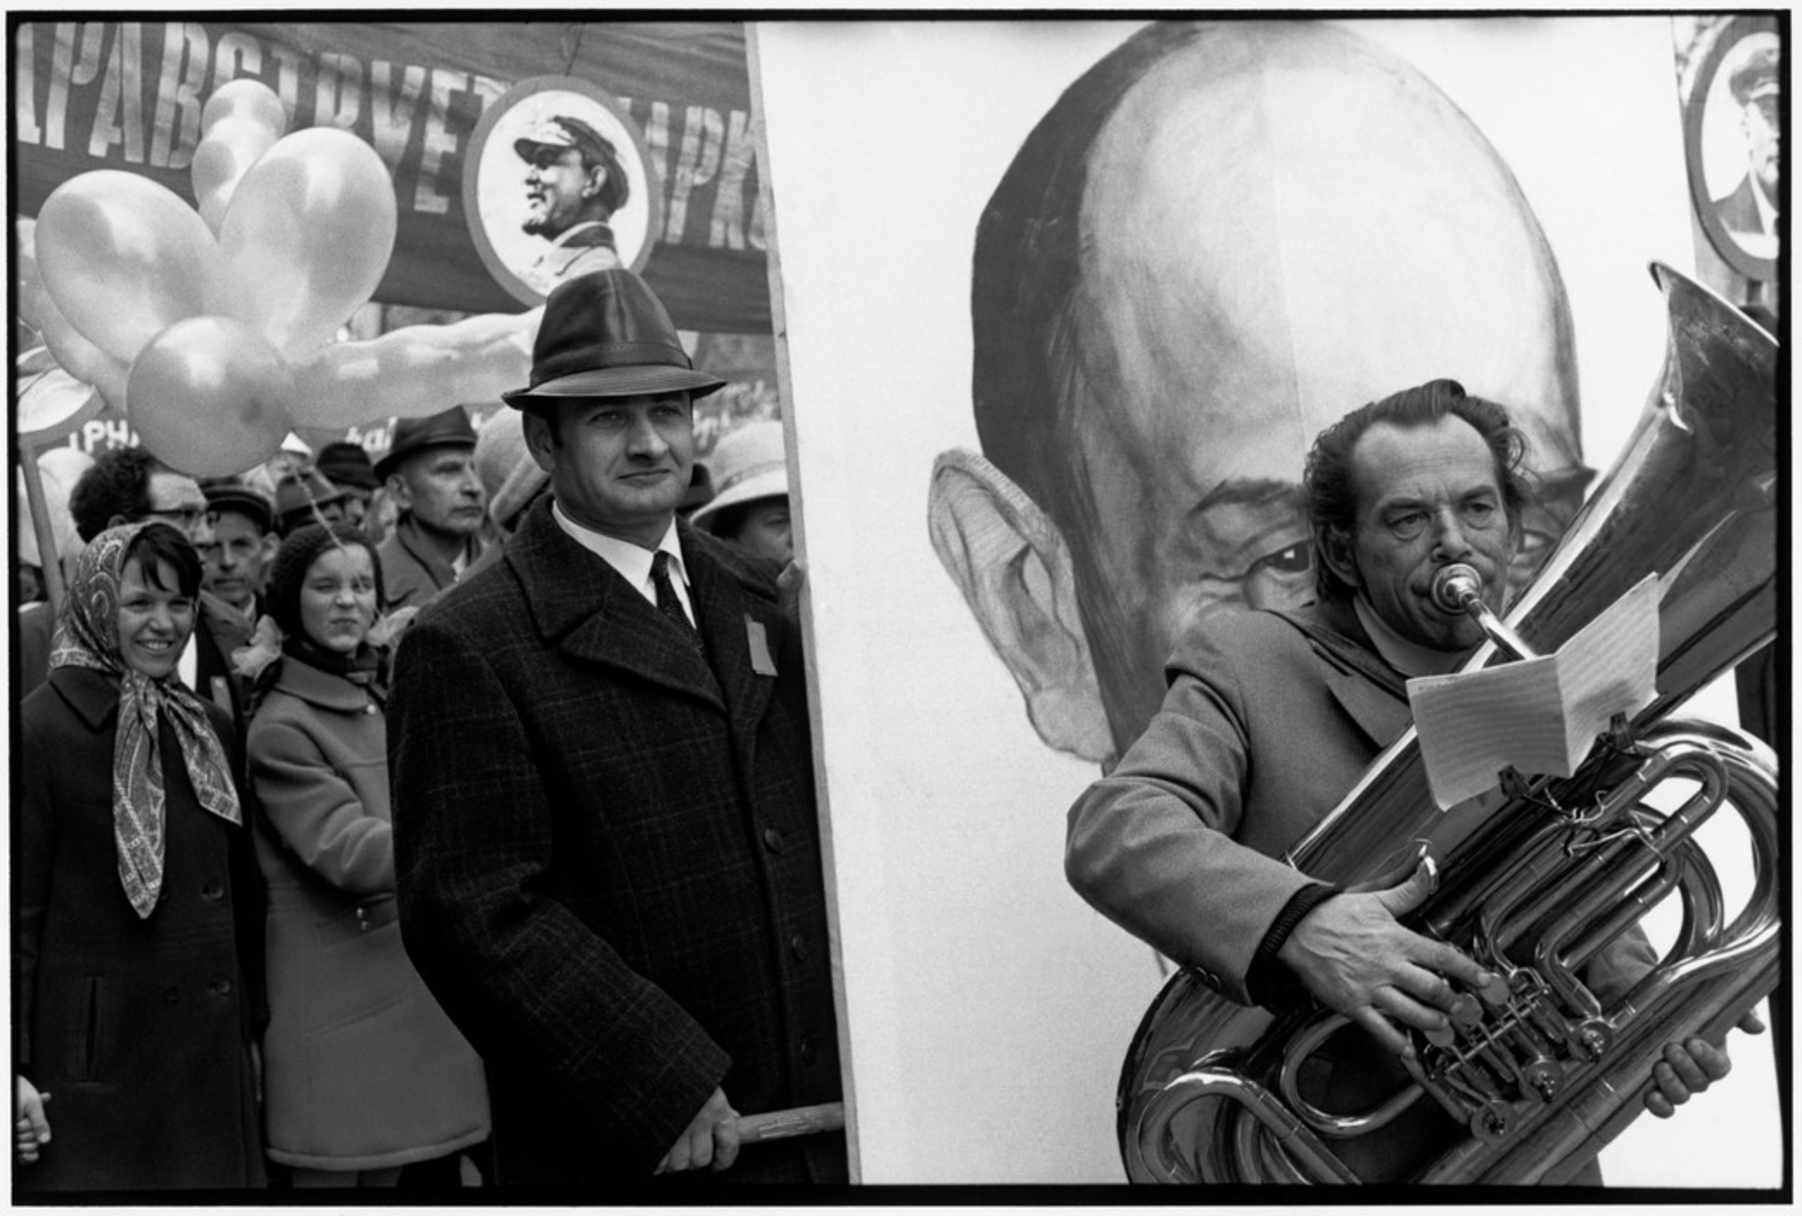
{"points": [[116, 485], [1327, 476]]}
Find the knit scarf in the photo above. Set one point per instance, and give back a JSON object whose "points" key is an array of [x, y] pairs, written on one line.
{"points": [[87, 635]]}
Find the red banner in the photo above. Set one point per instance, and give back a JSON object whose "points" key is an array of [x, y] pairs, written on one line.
{"points": [[128, 95]]}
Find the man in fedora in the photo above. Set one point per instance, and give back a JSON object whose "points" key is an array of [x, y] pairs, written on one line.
{"points": [[607, 849], [430, 471], [574, 184]]}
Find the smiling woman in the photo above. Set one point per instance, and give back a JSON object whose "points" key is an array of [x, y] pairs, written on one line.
{"points": [[137, 936]]}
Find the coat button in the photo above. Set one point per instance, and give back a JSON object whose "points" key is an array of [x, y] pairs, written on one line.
{"points": [[810, 1049], [220, 987], [797, 946], [369, 709], [773, 840], [213, 892]]}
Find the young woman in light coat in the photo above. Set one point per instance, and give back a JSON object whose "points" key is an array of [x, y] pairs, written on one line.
{"points": [[364, 1072]]}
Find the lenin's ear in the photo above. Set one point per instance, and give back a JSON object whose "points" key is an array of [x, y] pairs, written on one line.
{"points": [[1014, 570]]}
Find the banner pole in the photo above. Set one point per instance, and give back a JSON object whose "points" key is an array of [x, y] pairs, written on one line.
{"points": [[40, 524]]}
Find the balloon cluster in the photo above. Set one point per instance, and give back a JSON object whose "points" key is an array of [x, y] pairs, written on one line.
{"points": [[212, 327]]}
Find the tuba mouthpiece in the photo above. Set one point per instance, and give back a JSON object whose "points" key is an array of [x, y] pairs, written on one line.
{"points": [[1456, 587]]}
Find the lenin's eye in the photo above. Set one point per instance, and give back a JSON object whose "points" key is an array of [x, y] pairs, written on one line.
{"points": [[1283, 579], [1294, 559]]}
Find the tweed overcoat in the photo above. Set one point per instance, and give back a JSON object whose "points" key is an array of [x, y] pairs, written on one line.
{"points": [[139, 1028], [1262, 731], [608, 852], [361, 1068]]}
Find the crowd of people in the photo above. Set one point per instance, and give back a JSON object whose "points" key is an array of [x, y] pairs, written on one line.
{"points": [[488, 851], [216, 983]]}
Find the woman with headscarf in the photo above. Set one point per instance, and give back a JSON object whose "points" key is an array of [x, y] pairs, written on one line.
{"points": [[137, 939], [366, 1074]]}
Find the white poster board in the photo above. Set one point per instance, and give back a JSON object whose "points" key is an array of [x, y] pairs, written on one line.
{"points": [[986, 1009]]}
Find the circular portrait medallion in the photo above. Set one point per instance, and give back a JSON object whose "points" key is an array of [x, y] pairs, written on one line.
{"points": [[557, 184], [1734, 141]]}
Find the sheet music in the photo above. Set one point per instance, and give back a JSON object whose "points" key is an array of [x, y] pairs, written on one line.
{"points": [[1539, 715]]}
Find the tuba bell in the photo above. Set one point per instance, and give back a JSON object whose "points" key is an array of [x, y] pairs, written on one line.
{"points": [[1539, 1074]]}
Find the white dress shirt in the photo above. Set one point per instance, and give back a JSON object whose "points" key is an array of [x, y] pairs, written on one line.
{"points": [[631, 560]]}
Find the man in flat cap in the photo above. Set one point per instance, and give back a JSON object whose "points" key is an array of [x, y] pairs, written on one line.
{"points": [[607, 848], [430, 472], [244, 540], [1749, 210], [574, 184]]}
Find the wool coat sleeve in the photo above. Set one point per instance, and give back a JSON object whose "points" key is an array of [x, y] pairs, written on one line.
{"points": [[526, 979], [314, 809], [33, 864], [1151, 845]]}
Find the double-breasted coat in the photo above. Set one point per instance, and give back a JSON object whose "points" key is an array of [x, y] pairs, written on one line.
{"points": [[140, 1028], [362, 1069], [609, 856]]}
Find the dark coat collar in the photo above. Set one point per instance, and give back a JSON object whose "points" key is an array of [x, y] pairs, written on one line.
{"points": [[580, 604], [320, 688], [411, 537], [91, 693]]}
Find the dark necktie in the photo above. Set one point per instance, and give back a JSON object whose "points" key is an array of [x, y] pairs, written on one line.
{"points": [[667, 603]]}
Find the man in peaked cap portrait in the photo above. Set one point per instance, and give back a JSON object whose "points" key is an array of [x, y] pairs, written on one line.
{"points": [[608, 856], [574, 184], [430, 471], [1749, 210]]}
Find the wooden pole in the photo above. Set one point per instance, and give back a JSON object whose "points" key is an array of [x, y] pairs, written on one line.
{"points": [[796, 1121], [40, 524]]}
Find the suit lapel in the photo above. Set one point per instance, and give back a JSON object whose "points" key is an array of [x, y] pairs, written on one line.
{"points": [[1372, 694], [1376, 711], [581, 604]]}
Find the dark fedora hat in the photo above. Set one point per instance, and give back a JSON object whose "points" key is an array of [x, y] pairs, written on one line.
{"points": [[346, 464], [449, 429], [607, 335], [297, 494]]}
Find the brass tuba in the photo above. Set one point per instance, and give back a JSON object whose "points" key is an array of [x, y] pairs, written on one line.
{"points": [[1539, 1074]]}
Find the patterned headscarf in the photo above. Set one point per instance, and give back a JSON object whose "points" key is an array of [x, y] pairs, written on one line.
{"points": [[87, 635]]}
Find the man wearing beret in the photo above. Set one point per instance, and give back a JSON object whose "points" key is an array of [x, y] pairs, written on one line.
{"points": [[430, 471], [608, 854], [574, 184], [1749, 210]]}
